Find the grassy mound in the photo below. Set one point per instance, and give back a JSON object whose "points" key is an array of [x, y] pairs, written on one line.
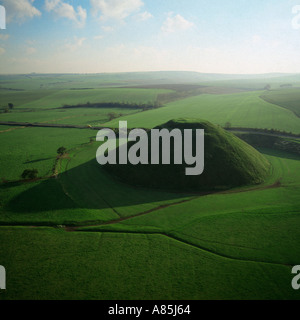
{"points": [[229, 162]]}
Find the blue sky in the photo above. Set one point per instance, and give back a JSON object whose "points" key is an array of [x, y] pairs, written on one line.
{"points": [[95, 36]]}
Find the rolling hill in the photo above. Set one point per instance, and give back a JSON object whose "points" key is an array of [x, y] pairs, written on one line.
{"points": [[229, 162]]}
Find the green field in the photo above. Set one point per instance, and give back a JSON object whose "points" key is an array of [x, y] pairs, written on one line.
{"points": [[246, 110], [56, 99], [62, 116], [130, 266], [286, 98], [78, 232], [169, 245]]}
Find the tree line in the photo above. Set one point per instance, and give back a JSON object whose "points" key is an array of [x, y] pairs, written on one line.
{"points": [[116, 105]]}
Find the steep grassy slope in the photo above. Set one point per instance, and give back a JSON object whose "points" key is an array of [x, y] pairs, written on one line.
{"points": [[229, 162]]}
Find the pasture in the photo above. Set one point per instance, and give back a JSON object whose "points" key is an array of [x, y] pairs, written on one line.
{"points": [[129, 266], [78, 232], [57, 98], [286, 98], [246, 110]]}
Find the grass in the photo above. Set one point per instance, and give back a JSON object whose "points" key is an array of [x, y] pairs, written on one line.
{"points": [[83, 194], [60, 265], [74, 97], [246, 110], [139, 243], [263, 200], [20, 98], [71, 116], [228, 162], [247, 236], [169, 253], [25, 148], [286, 98]]}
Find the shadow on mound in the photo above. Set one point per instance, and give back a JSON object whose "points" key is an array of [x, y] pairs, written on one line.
{"points": [[229, 162], [87, 186], [40, 196]]}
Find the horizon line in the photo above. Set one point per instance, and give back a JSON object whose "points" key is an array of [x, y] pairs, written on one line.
{"points": [[158, 71]]}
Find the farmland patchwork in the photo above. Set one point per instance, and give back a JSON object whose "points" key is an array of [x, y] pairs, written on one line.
{"points": [[196, 197]]}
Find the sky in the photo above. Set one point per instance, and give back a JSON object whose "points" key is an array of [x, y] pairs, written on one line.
{"points": [[104, 36]]}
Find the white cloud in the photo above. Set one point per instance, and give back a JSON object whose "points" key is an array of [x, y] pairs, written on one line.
{"points": [[2, 51], [4, 36], [107, 28], [51, 4], [77, 44], [143, 16], [65, 10], [99, 37], [30, 50], [20, 10], [115, 9], [176, 23]]}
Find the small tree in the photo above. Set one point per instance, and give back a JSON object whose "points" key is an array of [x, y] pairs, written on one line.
{"points": [[61, 151], [267, 87], [29, 174], [11, 106]]}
